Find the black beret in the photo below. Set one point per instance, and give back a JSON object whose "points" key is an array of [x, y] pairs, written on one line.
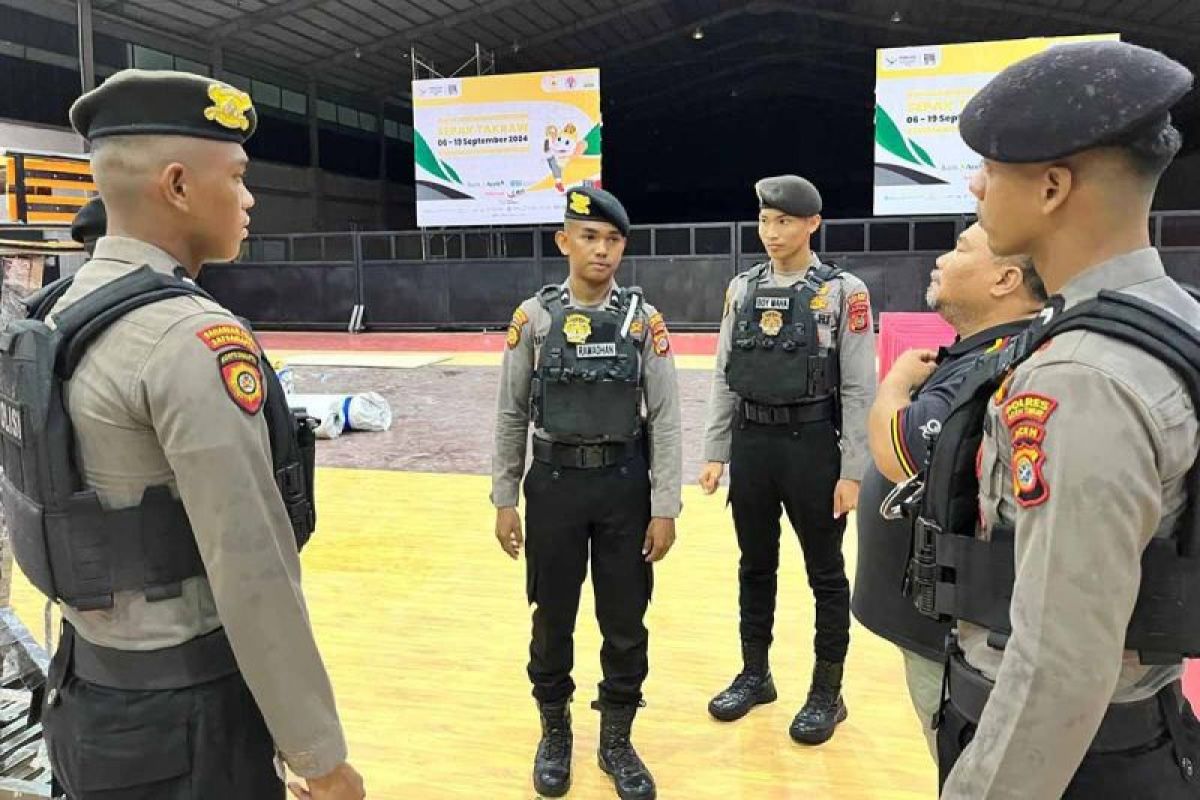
{"points": [[90, 222], [790, 194], [587, 203], [1073, 97], [143, 102]]}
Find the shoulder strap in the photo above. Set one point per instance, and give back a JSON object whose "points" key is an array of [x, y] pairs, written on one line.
{"points": [[38, 304], [80, 324], [825, 272], [551, 297], [1160, 334], [756, 272]]}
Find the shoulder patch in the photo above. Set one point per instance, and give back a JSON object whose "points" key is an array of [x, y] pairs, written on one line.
{"points": [[658, 332], [858, 312], [226, 335], [519, 320], [242, 376], [1026, 415]]}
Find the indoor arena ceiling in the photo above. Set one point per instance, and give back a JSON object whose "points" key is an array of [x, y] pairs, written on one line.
{"points": [[655, 55]]}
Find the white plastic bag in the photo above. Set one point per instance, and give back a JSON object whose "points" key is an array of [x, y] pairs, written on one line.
{"points": [[360, 412]]}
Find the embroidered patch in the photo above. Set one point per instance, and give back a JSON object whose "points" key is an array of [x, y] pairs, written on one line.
{"points": [[778, 303], [519, 320], [226, 335], [658, 332], [581, 203], [728, 302], [577, 328], [242, 377], [817, 303], [1002, 392], [1028, 407], [771, 323], [229, 107], [858, 309], [637, 328], [1028, 433], [1029, 485]]}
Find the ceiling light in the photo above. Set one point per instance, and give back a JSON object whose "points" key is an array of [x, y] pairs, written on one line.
{"points": [[897, 17], [698, 33], [357, 52]]}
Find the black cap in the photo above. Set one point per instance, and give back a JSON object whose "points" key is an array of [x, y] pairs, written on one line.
{"points": [[587, 203], [143, 102], [790, 194], [1073, 97], [90, 222]]}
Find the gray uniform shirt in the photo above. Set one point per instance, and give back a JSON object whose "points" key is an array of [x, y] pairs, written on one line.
{"points": [[855, 347], [1102, 437], [660, 392], [150, 407]]}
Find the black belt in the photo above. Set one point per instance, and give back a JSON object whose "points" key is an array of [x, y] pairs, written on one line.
{"points": [[584, 456], [1125, 725], [818, 411], [201, 660]]}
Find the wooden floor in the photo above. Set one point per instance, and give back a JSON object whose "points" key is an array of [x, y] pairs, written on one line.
{"points": [[424, 626]]}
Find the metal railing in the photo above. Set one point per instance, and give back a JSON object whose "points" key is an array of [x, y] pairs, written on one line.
{"points": [[1168, 229]]}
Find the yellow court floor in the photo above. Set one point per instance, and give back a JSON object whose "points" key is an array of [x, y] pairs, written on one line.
{"points": [[424, 627]]}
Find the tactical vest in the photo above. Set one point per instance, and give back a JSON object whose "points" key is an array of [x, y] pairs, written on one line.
{"points": [[587, 383], [954, 575], [69, 546], [776, 357]]}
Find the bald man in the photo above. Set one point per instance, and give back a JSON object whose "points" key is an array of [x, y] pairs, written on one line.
{"points": [[188, 661]]}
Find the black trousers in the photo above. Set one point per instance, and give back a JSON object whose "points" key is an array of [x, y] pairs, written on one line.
{"points": [[571, 513], [1166, 768], [206, 741], [796, 467]]}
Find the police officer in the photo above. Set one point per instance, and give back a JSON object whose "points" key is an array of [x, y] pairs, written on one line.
{"points": [[582, 358], [987, 300], [794, 378], [1086, 448], [192, 660], [90, 223]]}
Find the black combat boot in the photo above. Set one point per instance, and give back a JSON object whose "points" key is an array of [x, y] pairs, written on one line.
{"points": [[753, 686], [617, 756], [824, 708], [552, 765]]}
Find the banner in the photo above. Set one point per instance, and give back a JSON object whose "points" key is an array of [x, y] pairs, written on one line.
{"points": [[922, 165], [503, 149]]}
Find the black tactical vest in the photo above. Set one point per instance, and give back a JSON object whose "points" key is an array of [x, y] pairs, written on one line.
{"points": [[588, 377], [69, 546], [954, 575], [776, 357]]}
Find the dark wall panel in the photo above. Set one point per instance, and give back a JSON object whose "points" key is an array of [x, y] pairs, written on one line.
{"points": [[284, 294], [478, 293]]}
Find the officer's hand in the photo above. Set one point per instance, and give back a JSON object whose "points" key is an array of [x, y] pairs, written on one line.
{"points": [[508, 531], [710, 476], [344, 783], [845, 497], [913, 367], [660, 536]]}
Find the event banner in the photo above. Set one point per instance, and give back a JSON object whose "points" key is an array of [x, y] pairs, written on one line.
{"points": [[922, 165], [503, 149]]}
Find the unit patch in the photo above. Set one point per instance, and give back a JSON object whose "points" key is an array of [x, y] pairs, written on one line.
{"points": [[658, 332], [858, 308], [818, 303], [242, 377], [519, 320], [577, 328], [1026, 415], [771, 323], [227, 335], [781, 303]]}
